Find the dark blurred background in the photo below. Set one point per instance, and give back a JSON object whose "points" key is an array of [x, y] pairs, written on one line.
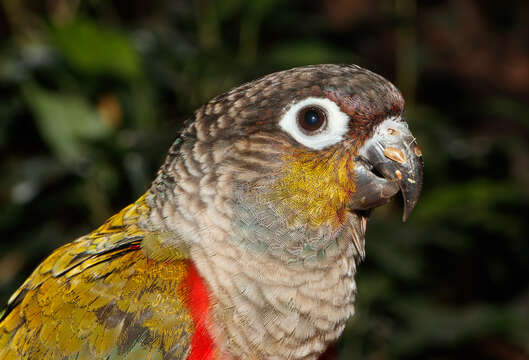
{"points": [[93, 93]]}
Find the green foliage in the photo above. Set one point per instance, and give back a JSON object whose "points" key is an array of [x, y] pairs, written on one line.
{"points": [[97, 50], [299, 53], [65, 121], [94, 92]]}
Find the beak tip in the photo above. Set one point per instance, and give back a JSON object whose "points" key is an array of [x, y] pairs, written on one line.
{"points": [[406, 213], [409, 205]]}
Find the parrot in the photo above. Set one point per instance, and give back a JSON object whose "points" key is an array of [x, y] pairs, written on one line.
{"points": [[246, 244]]}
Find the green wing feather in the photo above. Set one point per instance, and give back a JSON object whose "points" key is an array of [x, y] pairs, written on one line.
{"points": [[101, 297]]}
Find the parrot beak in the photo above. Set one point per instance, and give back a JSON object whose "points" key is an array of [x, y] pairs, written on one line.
{"points": [[387, 162]]}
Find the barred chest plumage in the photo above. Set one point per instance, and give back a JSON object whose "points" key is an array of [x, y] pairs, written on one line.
{"points": [[279, 289], [269, 189], [267, 308]]}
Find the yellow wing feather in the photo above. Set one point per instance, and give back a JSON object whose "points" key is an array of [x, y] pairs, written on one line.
{"points": [[101, 297]]}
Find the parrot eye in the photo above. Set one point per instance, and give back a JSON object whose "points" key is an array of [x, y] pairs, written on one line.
{"points": [[315, 122], [311, 119]]}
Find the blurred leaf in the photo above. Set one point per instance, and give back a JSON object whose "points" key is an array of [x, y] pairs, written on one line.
{"points": [[227, 8], [249, 35], [299, 53], [64, 120], [372, 287], [27, 179], [506, 107], [432, 325], [401, 261], [97, 50], [473, 195]]}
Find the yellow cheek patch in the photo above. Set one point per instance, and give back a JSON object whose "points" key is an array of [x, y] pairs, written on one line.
{"points": [[315, 187]]}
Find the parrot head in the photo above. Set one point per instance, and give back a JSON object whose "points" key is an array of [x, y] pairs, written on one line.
{"points": [[299, 156]]}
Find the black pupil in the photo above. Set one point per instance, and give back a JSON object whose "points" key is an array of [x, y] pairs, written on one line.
{"points": [[312, 119]]}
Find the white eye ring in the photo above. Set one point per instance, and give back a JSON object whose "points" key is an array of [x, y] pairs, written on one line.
{"points": [[336, 123]]}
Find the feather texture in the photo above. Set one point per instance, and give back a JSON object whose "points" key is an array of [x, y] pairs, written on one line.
{"points": [[101, 297]]}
